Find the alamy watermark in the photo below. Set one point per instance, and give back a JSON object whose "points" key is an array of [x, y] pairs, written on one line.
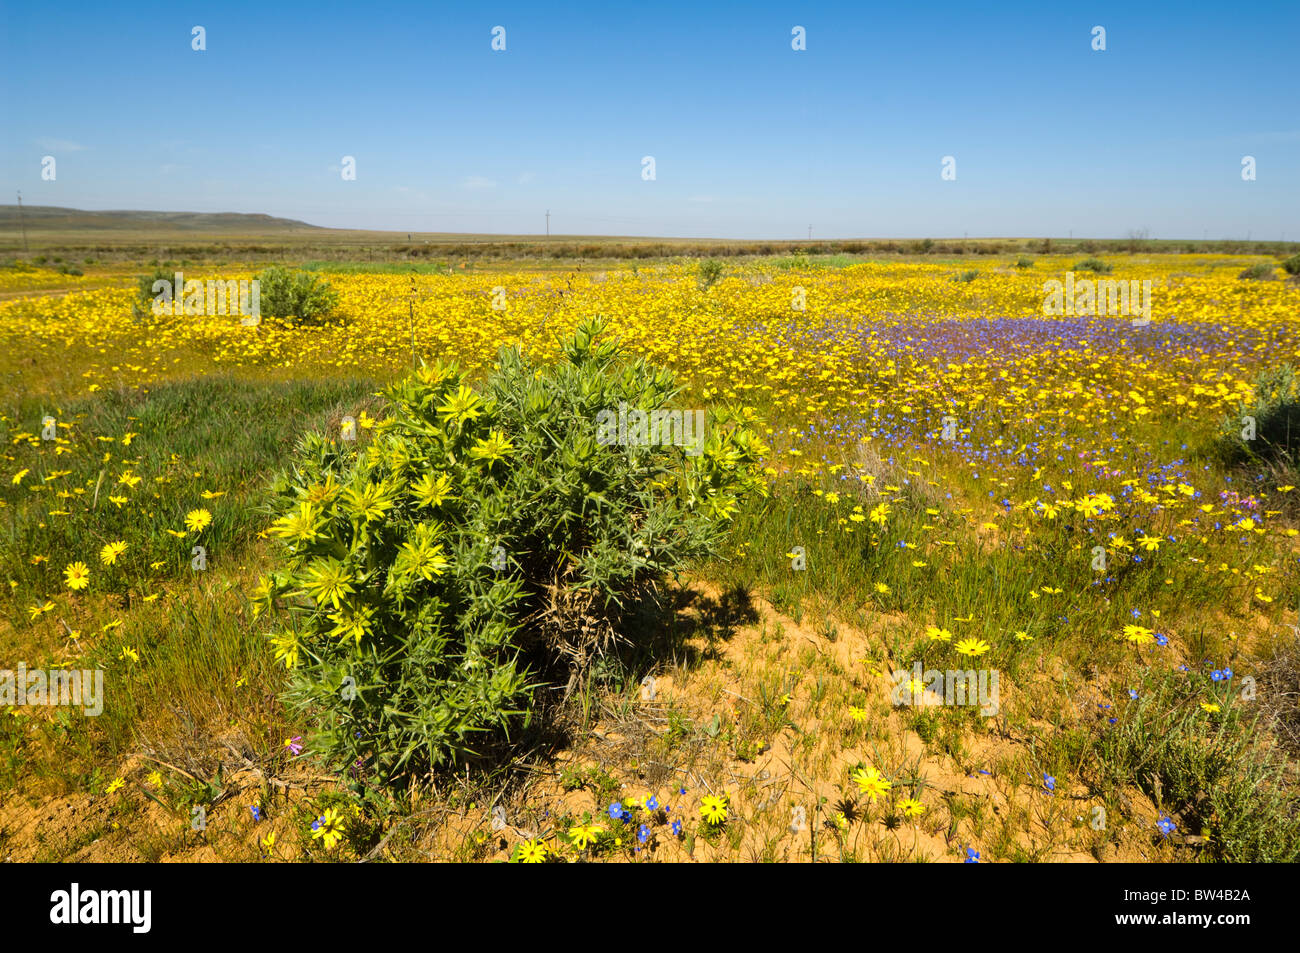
{"points": [[1100, 297], [637, 428], [80, 687], [934, 687], [193, 297], [130, 907]]}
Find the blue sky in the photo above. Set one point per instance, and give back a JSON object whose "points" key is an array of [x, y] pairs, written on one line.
{"points": [[751, 139]]}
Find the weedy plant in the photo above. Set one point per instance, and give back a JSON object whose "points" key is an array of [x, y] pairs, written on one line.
{"points": [[1095, 265], [297, 295], [710, 273], [1263, 271], [1274, 407], [482, 543]]}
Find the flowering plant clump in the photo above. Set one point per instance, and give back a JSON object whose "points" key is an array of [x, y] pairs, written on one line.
{"points": [[481, 540]]}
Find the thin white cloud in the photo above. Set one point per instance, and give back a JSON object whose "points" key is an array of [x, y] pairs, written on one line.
{"points": [[478, 182], [60, 145], [526, 178]]}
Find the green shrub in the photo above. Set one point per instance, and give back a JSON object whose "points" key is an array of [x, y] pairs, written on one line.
{"points": [[1261, 272], [1273, 411], [710, 273], [295, 295], [1024, 261], [1292, 265], [1217, 775], [966, 276], [142, 306], [1095, 265], [484, 542]]}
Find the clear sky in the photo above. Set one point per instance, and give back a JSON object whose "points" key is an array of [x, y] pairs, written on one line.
{"points": [[751, 138]]}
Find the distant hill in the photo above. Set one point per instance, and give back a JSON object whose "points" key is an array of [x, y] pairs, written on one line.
{"points": [[46, 218]]}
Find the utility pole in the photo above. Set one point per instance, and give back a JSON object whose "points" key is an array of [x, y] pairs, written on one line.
{"points": [[548, 223], [22, 222]]}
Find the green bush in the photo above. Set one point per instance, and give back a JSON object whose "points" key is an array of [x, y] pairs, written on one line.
{"points": [[1292, 265], [484, 542], [1095, 265], [142, 306], [1024, 261], [966, 276], [1274, 409], [710, 273], [1218, 776], [295, 295], [1261, 272]]}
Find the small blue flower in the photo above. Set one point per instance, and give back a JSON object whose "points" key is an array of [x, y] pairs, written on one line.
{"points": [[1113, 720], [257, 812], [652, 803], [1227, 673], [1049, 782], [1132, 694], [972, 855], [677, 828], [616, 811], [1166, 825], [1162, 639], [1216, 675], [643, 834]]}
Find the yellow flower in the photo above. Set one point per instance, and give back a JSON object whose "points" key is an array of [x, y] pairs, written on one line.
{"points": [[108, 555], [35, 612], [496, 447], [857, 714], [972, 647], [155, 779], [713, 809], [197, 520], [1138, 634], [910, 807], [286, 648], [1212, 708], [329, 828], [582, 836], [871, 782], [532, 852], [1023, 636], [116, 785], [77, 575], [937, 634], [461, 406]]}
